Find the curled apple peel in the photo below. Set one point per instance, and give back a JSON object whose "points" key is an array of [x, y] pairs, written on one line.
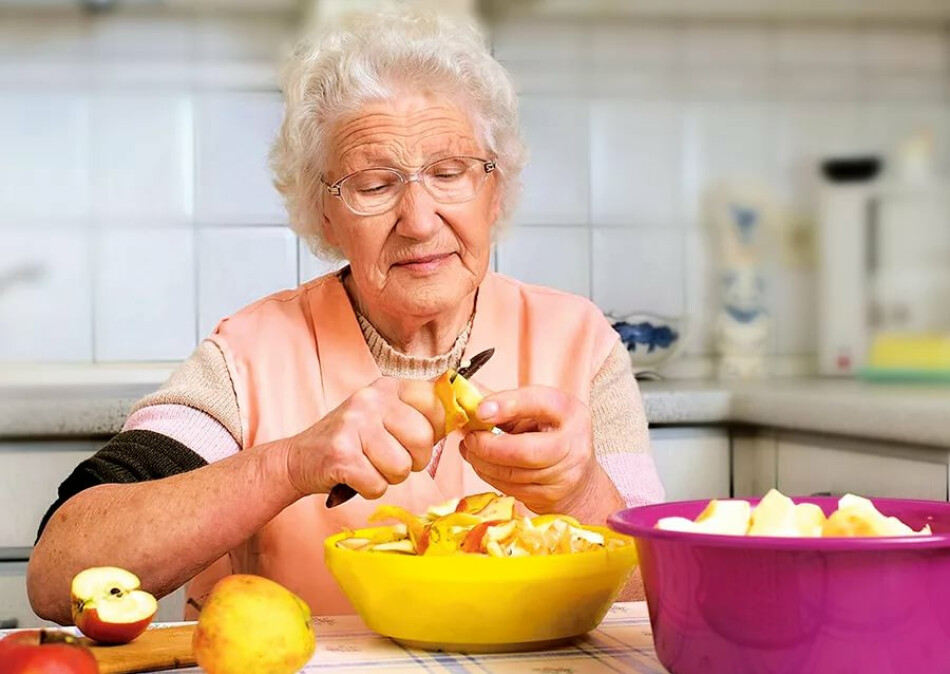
{"points": [[480, 524]]}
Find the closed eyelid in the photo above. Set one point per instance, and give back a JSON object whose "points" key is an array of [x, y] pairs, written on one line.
{"points": [[404, 172]]}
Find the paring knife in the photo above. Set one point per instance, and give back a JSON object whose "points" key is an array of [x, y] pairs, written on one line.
{"points": [[342, 493]]}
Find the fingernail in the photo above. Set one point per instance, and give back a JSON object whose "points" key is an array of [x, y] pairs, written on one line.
{"points": [[487, 410]]}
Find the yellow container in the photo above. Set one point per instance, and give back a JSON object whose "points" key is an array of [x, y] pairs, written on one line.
{"points": [[472, 603], [910, 352]]}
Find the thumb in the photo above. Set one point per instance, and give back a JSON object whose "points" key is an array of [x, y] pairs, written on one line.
{"points": [[538, 404], [421, 395]]}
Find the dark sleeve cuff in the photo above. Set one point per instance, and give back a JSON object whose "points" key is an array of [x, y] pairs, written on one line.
{"points": [[131, 456]]}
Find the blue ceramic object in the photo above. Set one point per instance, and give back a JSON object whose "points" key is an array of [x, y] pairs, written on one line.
{"points": [[650, 339], [645, 335]]}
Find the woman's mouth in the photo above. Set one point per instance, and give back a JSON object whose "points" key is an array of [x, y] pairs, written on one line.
{"points": [[427, 264]]}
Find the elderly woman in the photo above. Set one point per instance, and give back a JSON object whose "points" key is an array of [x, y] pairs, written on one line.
{"points": [[399, 152]]}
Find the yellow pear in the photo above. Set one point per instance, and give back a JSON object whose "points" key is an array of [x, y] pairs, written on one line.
{"points": [[252, 625]]}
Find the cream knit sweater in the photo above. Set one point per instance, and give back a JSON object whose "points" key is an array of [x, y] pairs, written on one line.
{"points": [[621, 440]]}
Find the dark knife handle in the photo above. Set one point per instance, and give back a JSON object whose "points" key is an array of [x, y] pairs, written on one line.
{"points": [[339, 495]]}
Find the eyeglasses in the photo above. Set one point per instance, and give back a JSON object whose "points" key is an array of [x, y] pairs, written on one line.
{"points": [[373, 191]]}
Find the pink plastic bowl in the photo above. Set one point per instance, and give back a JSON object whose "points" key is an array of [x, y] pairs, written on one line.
{"points": [[735, 604]]}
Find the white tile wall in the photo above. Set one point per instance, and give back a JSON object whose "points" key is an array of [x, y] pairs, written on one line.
{"points": [[135, 180], [44, 143], [809, 132], [744, 46], [701, 291], [558, 257], [45, 313], [912, 49], [628, 124], [310, 266], [831, 46], [636, 44], [727, 141], [794, 323], [635, 162], [638, 270], [556, 177], [238, 265], [233, 135], [144, 295]]}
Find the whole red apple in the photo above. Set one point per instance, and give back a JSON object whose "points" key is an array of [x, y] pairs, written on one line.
{"points": [[45, 652], [109, 607]]}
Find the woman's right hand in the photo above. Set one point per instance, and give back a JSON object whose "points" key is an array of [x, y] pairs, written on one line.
{"points": [[371, 441]]}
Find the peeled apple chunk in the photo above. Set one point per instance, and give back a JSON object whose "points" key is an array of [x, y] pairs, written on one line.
{"points": [[719, 517], [778, 515], [774, 516], [725, 517], [809, 519], [460, 399]]}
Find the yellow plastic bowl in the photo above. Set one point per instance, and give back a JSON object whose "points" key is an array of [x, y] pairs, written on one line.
{"points": [[472, 603]]}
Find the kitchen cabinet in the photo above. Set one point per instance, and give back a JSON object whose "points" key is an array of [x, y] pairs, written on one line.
{"points": [[803, 464], [808, 464], [693, 463], [14, 606], [30, 475], [754, 462]]}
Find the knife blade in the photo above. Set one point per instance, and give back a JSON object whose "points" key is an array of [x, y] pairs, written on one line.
{"points": [[474, 365], [342, 493]]}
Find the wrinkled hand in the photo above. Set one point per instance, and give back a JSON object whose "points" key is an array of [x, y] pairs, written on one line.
{"points": [[545, 458], [374, 439]]}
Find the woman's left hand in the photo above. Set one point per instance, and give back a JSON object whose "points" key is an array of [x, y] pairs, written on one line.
{"points": [[545, 458]]}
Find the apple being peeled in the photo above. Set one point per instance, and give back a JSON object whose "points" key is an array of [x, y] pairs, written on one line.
{"points": [[45, 652], [109, 607]]}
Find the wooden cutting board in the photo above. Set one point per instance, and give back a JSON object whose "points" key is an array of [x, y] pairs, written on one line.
{"points": [[156, 649]]}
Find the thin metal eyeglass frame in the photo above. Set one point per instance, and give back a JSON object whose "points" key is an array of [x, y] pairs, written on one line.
{"points": [[405, 179]]}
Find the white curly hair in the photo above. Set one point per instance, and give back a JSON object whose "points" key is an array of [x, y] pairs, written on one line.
{"points": [[368, 58]]}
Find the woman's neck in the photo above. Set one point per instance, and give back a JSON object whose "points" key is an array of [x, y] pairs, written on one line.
{"points": [[421, 336]]}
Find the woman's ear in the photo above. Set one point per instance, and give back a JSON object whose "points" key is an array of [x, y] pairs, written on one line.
{"points": [[495, 205], [328, 231]]}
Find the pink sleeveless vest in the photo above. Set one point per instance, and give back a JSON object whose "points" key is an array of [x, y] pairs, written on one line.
{"points": [[298, 354]]}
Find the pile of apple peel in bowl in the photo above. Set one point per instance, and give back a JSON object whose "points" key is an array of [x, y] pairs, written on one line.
{"points": [[480, 524], [777, 515]]}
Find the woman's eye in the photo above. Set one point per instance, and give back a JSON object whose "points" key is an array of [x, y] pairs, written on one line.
{"points": [[372, 189]]}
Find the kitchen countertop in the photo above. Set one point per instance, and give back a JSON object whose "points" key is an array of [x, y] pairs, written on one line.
{"points": [[907, 414]]}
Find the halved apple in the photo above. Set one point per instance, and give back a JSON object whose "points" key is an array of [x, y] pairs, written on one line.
{"points": [[109, 607], [460, 399]]}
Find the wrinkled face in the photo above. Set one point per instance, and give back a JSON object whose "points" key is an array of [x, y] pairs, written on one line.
{"points": [[422, 257]]}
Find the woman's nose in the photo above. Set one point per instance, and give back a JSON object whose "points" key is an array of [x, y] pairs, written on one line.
{"points": [[417, 213]]}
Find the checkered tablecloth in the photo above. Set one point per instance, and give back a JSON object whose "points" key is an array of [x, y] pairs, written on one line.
{"points": [[622, 643]]}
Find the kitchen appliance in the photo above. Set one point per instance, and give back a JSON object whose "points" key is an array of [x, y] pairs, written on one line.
{"points": [[883, 262]]}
